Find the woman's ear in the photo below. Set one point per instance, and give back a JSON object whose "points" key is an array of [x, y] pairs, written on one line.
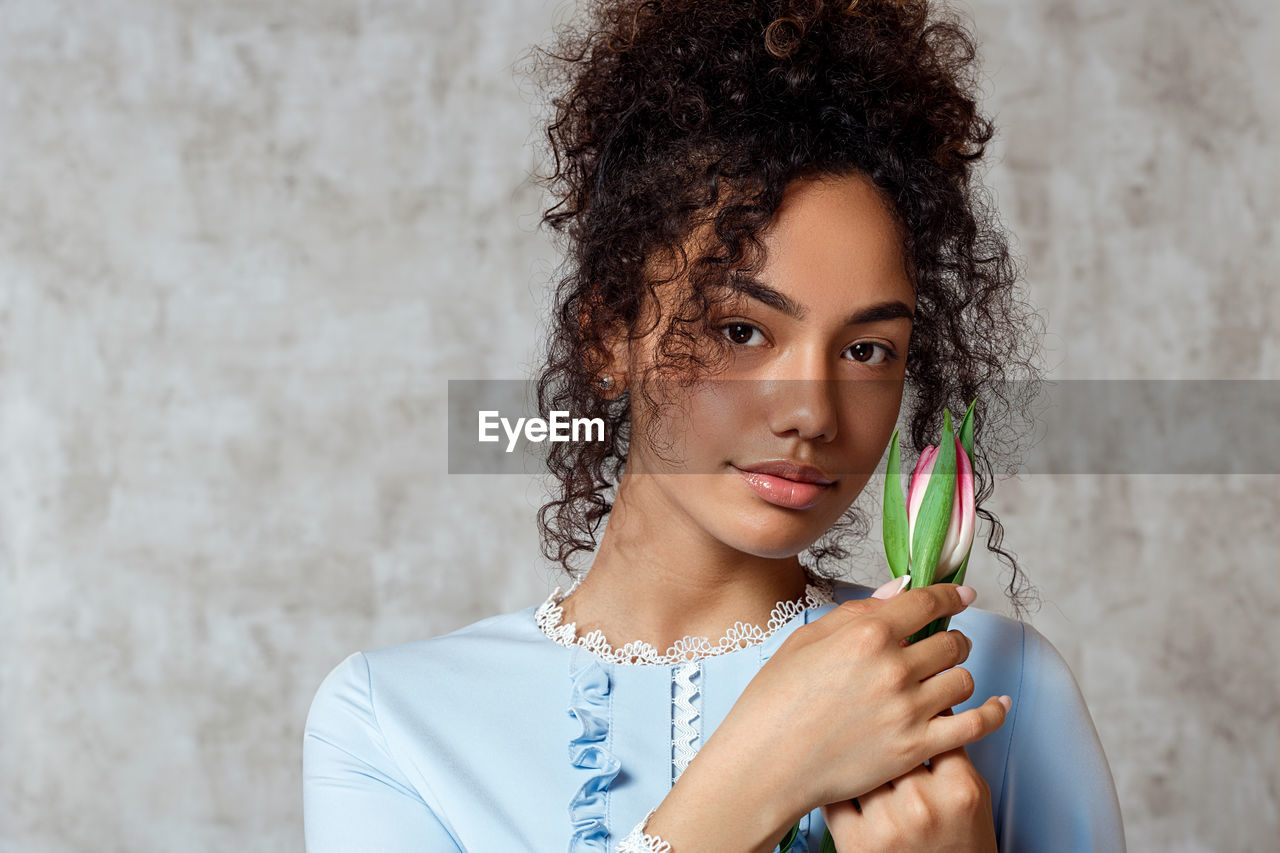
{"points": [[609, 357], [612, 380]]}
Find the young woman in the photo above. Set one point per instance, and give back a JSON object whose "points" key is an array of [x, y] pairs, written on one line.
{"points": [[771, 235]]}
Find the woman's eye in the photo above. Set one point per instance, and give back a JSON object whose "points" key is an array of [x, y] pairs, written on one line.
{"points": [[740, 333], [743, 334], [868, 348]]}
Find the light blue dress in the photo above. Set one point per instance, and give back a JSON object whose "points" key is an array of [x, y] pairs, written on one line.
{"points": [[504, 736]]}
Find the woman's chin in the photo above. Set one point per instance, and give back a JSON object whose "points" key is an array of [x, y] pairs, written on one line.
{"points": [[769, 543]]}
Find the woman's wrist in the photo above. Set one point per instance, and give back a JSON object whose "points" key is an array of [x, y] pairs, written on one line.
{"points": [[638, 840], [726, 801]]}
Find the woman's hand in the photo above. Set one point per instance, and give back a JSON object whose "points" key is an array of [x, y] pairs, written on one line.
{"points": [[941, 808], [843, 706]]}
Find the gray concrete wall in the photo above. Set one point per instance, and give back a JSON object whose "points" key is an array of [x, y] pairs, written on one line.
{"points": [[244, 245]]}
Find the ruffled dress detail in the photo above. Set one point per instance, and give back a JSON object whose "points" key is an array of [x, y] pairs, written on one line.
{"points": [[589, 673], [589, 751]]}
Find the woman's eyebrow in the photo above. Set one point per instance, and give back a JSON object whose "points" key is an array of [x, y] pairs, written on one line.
{"points": [[757, 289]]}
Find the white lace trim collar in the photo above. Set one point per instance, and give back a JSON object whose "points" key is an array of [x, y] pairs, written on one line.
{"points": [[742, 635]]}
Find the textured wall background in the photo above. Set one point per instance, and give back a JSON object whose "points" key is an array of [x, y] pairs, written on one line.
{"points": [[244, 245]]}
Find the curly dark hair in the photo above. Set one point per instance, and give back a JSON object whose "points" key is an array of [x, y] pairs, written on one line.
{"points": [[676, 116]]}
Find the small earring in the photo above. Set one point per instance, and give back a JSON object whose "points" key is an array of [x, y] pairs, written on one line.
{"points": [[605, 383]]}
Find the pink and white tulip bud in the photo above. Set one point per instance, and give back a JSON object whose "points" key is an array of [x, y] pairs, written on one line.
{"points": [[963, 512]]}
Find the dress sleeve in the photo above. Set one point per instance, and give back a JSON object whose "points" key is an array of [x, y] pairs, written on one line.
{"points": [[638, 841], [354, 796], [1058, 793]]}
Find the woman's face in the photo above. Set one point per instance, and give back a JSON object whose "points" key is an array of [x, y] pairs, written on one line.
{"points": [[814, 377]]}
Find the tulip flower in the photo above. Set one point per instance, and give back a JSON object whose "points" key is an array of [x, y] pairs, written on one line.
{"points": [[955, 548], [929, 535]]}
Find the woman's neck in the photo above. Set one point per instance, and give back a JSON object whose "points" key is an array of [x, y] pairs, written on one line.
{"points": [[661, 585]]}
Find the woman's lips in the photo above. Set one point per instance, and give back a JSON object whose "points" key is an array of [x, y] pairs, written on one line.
{"points": [[783, 492]]}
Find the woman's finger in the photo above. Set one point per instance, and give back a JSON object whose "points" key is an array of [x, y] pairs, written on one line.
{"points": [[848, 612], [936, 653], [951, 687], [908, 612], [897, 618], [946, 733], [873, 798], [842, 821], [951, 762]]}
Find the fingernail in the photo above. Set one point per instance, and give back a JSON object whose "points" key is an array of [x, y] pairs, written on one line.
{"points": [[1006, 702], [892, 588], [967, 594]]}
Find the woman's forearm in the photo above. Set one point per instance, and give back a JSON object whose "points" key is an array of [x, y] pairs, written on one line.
{"points": [[728, 800]]}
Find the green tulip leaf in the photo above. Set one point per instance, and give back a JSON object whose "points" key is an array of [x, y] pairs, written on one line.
{"points": [[966, 431], [930, 532], [958, 577], [828, 843], [895, 514], [790, 838]]}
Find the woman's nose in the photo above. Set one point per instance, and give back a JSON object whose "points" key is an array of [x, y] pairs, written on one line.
{"points": [[805, 403]]}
